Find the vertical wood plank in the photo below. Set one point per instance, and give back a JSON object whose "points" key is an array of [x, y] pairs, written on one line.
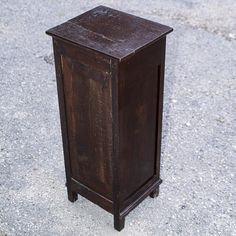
{"points": [[116, 191], [159, 115], [61, 100]]}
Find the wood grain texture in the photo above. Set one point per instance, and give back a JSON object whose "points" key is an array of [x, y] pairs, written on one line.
{"points": [[111, 106], [138, 98], [88, 108], [61, 100], [111, 32]]}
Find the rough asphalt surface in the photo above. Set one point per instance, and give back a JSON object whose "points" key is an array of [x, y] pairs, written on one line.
{"points": [[198, 195]]}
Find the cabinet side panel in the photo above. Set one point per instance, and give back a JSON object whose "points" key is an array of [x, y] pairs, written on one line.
{"points": [[88, 111], [138, 99]]}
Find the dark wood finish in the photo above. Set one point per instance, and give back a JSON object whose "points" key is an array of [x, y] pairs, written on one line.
{"points": [[110, 78], [138, 91], [111, 32], [154, 193]]}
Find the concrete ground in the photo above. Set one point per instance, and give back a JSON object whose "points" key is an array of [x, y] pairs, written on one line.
{"points": [[199, 134]]}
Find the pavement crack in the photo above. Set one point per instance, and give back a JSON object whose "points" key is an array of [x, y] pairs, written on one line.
{"points": [[49, 59]]}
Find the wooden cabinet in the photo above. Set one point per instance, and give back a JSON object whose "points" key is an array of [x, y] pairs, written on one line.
{"points": [[110, 74]]}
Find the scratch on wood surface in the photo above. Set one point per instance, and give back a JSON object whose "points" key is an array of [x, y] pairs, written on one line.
{"points": [[92, 32]]}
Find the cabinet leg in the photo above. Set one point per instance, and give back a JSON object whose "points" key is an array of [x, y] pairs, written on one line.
{"points": [[154, 193], [119, 223], [72, 196]]}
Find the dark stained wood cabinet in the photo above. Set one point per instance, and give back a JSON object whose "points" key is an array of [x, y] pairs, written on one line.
{"points": [[110, 74]]}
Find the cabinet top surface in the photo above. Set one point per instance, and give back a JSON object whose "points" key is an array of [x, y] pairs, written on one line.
{"points": [[114, 33]]}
